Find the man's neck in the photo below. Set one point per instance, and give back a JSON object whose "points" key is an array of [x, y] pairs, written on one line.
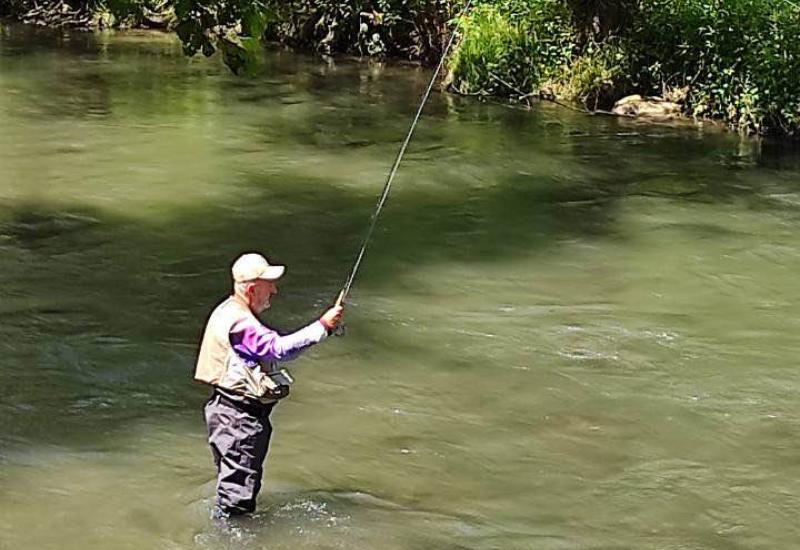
{"points": [[242, 300]]}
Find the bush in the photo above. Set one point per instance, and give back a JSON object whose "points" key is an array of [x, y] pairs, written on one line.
{"points": [[414, 29], [738, 59], [512, 47], [595, 77]]}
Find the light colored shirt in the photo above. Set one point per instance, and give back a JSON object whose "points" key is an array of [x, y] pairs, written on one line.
{"points": [[255, 342]]}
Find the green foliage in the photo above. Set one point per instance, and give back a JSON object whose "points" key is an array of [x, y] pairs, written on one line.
{"points": [[738, 59], [228, 25], [595, 77], [407, 28], [511, 47]]}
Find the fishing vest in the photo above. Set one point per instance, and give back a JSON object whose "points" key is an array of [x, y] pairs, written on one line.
{"points": [[218, 363]]}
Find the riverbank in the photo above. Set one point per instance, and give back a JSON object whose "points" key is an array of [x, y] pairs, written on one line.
{"points": [[733, 62]]}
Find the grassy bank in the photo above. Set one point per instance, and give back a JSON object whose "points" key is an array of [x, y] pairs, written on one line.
{"points": [[732, 60]]}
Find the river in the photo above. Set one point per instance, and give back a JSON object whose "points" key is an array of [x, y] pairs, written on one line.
{"points": [[568, 332]]}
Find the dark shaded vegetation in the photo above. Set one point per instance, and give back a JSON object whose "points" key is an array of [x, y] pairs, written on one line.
{"points": [[90, 14]]}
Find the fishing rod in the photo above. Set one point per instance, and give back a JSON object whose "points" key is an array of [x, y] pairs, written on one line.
{"points": [[387, 186]]}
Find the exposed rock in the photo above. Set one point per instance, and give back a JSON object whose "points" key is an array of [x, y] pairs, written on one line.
{"points": [[650, 107]]}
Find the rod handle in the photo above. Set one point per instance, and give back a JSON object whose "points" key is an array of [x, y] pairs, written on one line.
{"points": [[340, 329]]}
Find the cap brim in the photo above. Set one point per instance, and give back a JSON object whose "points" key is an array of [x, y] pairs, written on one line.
{"points": [[273, 273]]}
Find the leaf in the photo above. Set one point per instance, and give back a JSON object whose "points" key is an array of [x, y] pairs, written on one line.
{"points": [[254, 22]]}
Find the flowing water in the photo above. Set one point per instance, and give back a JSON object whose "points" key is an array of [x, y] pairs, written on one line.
{"points": [[569, 331]]}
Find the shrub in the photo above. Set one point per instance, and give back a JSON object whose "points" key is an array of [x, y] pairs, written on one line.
{"points": [[739, 59], [406, 28], [512, 47], [596, 76]]}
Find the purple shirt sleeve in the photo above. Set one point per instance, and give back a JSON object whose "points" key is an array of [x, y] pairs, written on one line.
{"points": [[255, 342]]}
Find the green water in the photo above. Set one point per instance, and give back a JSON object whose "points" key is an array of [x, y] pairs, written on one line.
{"points": [[569, 332]]}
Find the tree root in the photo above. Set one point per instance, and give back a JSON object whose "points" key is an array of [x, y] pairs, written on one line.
{"points": [[58, 14]]}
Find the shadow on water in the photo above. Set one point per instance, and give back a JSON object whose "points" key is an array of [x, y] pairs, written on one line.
{"points": [[103, 303]]}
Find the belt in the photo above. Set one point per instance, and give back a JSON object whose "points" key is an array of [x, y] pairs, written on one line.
{"points": [[246, 404]]}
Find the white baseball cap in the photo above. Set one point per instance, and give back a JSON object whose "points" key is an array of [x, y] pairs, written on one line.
{"points": [[252, 266]]}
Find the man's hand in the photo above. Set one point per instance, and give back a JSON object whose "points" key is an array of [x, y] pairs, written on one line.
{"points": [[332, 317]]}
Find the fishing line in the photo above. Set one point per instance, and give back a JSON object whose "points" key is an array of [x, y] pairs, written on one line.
{"points": [[387, 186]]}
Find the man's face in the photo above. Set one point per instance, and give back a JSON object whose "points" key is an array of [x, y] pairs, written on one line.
{"points": [[260, 294]]}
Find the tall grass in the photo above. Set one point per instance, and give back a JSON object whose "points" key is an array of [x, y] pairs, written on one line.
{"points": [[736, 60], [512, 47]]}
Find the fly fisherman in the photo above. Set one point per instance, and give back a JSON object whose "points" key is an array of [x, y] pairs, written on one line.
{"points": [[238, 357]]}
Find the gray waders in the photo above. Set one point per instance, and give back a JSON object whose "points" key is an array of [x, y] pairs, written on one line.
{"points": [[238, 433]]}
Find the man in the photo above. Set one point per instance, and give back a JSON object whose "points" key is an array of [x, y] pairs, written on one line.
{"points": [[238, 357]]}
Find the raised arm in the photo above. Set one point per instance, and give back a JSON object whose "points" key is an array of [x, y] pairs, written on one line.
{"points": [[256, 342]]}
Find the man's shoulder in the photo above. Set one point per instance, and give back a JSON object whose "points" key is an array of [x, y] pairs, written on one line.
{"points": [[230, 305], [218, 308], [230, 312], [249, 323]]}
